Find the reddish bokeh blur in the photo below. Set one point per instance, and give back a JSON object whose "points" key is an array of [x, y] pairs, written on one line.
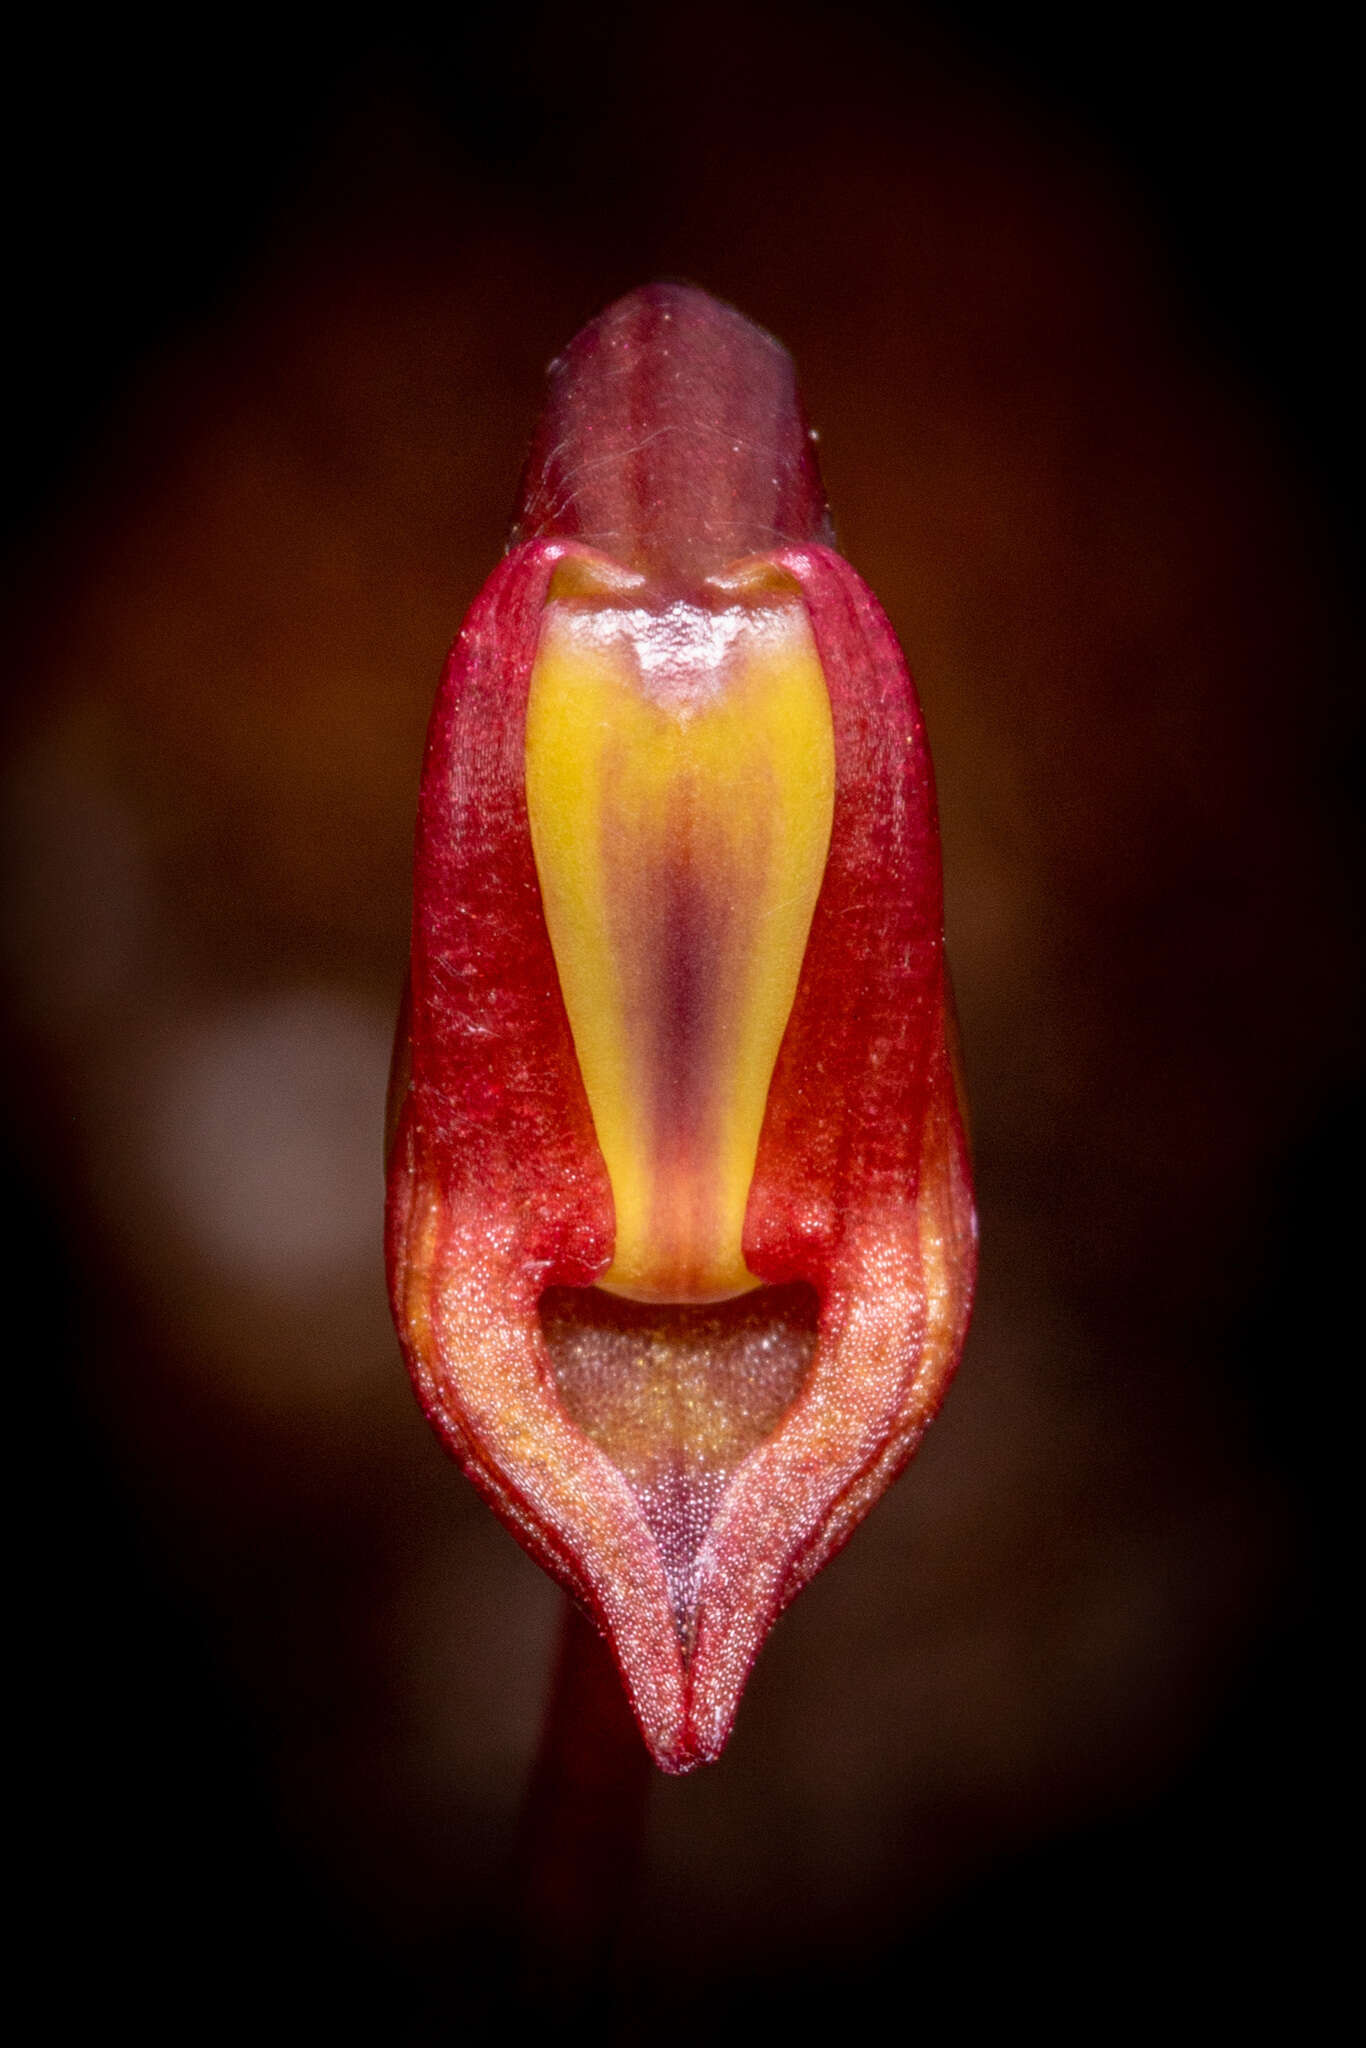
{"points": [[1044, 1725]]}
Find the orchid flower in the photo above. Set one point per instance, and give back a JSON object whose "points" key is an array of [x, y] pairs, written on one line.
{"points": [[680, 1231]]}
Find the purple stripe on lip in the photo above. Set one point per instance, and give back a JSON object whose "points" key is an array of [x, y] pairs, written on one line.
{"points": [[682, 934]]}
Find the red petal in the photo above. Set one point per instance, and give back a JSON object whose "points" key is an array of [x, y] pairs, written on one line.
{"points": [[673, 441], [496, 1186]]}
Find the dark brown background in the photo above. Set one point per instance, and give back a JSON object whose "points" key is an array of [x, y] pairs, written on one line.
{"points": [[1054, 1739]]}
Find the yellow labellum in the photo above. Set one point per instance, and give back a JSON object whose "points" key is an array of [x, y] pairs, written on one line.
{"points": [[680, 773]]}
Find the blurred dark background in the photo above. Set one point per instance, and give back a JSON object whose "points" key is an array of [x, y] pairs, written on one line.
{"points": [[1055, 1739]]}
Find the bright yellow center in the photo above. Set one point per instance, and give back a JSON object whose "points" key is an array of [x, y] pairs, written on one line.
{"points": [[680, 774]]}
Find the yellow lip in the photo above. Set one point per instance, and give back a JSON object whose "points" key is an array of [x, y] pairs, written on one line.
{"points": [[680, 777]]}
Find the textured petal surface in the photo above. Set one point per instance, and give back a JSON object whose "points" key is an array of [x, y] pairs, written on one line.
{"points": [[683, 1464]]}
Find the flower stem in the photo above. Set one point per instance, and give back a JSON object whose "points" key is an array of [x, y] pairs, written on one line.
{"points": [[583, 1829]]}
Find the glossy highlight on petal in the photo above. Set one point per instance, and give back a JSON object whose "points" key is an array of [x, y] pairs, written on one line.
{"points": [[681, 1238]]}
